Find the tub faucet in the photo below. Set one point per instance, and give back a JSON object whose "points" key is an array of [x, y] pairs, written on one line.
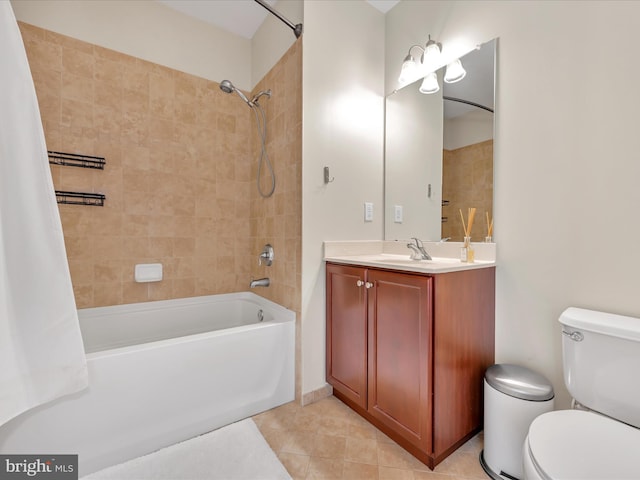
{"points": [[417, 250], [260, 282]]}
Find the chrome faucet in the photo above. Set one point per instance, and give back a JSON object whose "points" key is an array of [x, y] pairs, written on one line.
{"points": [[261, 282], [417, 250]]}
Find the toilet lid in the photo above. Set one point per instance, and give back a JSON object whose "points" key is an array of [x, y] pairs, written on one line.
{"points": [[574, 444]]}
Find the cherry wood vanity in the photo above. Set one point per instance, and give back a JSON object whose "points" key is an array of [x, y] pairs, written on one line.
{"points": [[408, 351]]}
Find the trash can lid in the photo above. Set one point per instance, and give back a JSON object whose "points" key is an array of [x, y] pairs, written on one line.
{"points": [[519, 382]]}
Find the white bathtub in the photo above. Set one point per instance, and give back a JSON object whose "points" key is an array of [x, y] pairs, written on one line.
{"points": [[162, 372]]}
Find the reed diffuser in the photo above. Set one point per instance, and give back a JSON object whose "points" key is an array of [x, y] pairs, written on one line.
{"points": [[466, 252], [489, 237]]}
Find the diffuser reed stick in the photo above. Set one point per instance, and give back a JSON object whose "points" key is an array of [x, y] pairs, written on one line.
{"points": [[464, 227], [466, 253], [489, 228], [471, 214]]}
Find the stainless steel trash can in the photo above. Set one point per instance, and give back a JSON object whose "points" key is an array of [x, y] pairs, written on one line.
{"points": [[513, 397]]}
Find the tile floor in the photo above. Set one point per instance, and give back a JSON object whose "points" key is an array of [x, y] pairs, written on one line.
{"points": [[328, 440]]}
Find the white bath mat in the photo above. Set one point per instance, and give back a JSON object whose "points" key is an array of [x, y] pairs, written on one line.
{"points": [[235, 452]]}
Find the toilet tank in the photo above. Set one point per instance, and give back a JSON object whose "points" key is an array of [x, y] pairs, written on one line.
{"points": [[601, 361]]}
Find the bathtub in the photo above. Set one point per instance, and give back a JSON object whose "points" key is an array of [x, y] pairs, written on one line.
{"points": [[162, 372]]}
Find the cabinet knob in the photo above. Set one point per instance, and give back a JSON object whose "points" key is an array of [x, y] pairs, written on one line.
{"points": [[359, 283], [368, 285]]}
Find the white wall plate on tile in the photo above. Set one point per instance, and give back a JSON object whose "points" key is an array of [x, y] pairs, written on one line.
{"points": [[148, 272]]}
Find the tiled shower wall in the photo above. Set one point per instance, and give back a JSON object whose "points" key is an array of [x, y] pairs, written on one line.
{"points": [[178, 179], [277, 220], [467, 181]]}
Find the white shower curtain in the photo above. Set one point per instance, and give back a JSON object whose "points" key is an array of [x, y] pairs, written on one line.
{"points": [[41, 351]]}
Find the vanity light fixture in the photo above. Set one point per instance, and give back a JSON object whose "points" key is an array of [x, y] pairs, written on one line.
{"points": [[430, 55], [455, 72], [430, 84]]}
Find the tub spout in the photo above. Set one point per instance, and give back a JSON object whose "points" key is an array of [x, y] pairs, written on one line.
{"points": [[261, 282]]}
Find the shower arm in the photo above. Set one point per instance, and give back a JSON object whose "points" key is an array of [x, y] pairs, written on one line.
{"points": [[297, 29]]}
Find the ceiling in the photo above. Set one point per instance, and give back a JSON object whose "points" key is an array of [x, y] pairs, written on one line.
{"points": [[241, 17]]}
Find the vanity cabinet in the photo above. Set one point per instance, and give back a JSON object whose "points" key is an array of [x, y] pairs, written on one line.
{"points": [[408, 351]]}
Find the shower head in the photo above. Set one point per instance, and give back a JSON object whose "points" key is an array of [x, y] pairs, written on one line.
{"points": [[227, 87]]}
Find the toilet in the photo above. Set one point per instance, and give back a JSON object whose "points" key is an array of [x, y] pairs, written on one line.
{"points": [[600, 437]]}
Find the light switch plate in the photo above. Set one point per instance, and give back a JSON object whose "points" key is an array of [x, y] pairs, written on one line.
{"points": [[397, 213], [368, 212]]}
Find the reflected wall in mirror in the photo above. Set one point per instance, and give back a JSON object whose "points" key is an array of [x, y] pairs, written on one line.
{"points": [[439, 154]]}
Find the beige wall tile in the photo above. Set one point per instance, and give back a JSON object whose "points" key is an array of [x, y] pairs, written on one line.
{"points": [[467, 181], [109, 293], [80, 62], [77, 87], [84, 295]]}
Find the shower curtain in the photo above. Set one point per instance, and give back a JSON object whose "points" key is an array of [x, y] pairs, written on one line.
{"points": [[41, 351]]}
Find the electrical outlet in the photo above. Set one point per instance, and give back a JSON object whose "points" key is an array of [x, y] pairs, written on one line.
{"points": [[397, 213], [368, 212]]}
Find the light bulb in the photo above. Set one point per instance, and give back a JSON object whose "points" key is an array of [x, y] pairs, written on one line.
{"points": [[430, 84], [408, 70], [431, 53], [454, 72]]}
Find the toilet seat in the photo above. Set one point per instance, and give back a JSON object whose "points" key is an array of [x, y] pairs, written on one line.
{"points": [[580, 445]]}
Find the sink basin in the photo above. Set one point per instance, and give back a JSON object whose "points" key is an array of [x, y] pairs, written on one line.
{"points": [[405, 261], [408, 261]]}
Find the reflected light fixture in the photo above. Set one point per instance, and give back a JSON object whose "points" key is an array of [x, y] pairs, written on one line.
{"points": [[430, 84], [455, 72]]}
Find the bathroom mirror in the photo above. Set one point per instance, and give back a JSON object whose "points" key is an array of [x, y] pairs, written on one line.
{"points": [[439, 154]]}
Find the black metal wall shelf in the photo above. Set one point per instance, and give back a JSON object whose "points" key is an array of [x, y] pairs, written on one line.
{"points": [[80, 198], [75, 160]]}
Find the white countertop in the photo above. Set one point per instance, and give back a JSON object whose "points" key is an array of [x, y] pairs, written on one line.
{"points": [[387, 255]]}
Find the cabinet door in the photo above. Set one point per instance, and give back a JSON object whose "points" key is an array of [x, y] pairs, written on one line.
{"points": [[399, 310], [347, 332]]}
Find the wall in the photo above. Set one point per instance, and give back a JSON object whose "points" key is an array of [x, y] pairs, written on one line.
{"points": [[565, 175], [147, 30], [277, 219], [180, 183], [343, 128], [177, 176]]}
